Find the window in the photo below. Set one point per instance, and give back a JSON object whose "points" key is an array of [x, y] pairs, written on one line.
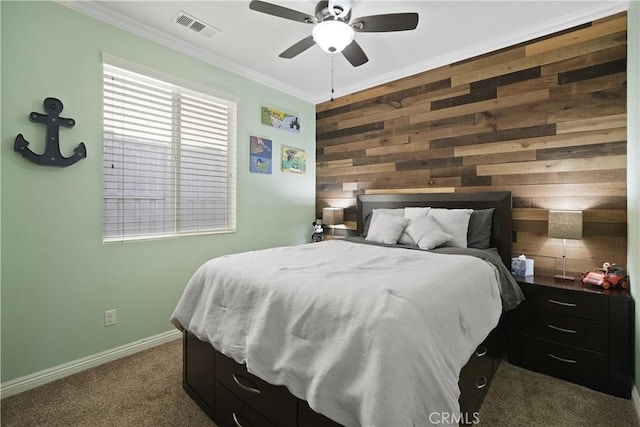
{"points": [[169, 159]]}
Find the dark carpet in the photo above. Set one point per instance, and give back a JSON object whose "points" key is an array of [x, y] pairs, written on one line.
{"points": [[145, 389]]}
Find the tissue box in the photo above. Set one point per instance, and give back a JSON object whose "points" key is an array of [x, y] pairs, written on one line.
{"points": [[522, 267]]}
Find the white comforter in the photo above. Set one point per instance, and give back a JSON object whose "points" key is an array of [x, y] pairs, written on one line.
{"points": [[367, 335]]}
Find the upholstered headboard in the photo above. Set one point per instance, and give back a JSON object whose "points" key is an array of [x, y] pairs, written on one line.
{"points": [[499, 200]]}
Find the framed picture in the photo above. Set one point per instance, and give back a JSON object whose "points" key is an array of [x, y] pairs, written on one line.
{"points": [[279, 119], [294, 160], [260, 155]]}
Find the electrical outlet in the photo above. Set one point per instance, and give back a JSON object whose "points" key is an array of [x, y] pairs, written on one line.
{"points": [[110, 317]]}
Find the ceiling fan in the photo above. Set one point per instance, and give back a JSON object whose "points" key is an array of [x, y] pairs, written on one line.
{"points": [[333, 29]]}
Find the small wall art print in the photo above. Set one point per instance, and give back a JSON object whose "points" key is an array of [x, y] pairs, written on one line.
{"points": [[279, 119], [261, 155], [294, 160]]}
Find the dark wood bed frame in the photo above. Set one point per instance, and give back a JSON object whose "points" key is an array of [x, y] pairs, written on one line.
{"points": [[232, 397]]}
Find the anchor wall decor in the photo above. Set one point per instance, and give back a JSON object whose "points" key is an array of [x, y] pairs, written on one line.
{"points": [[53, 121]]}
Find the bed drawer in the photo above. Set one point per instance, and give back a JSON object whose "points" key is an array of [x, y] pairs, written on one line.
{"points": [[589, 368], [573, 331], [273, 402], [474, 379], [232, 412]]}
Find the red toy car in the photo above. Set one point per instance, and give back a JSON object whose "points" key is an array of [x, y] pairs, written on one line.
{"points": [[609, 276]]}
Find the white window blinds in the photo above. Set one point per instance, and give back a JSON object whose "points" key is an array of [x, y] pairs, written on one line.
{"points": [[169, 159]]}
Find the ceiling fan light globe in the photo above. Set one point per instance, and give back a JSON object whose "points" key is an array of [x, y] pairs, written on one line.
{"points": [[332, 36]]}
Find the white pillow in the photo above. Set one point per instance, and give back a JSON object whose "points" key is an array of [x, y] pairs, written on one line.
{"points": [[374, 212], [415, 212], [412, 213], [454, 222], [385, 228], [426, 233], [394, 212]]}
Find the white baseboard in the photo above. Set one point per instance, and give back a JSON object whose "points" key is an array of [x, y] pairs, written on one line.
{"points": [[18, 385], [635, 398]]}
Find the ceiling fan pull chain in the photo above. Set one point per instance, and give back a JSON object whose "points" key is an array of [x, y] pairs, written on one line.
{"points": [[332, 77]]}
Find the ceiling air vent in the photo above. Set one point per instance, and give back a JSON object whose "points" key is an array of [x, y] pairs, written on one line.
{"points": [[188, 21]]}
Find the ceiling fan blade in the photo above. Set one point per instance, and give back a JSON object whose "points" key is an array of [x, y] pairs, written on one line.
{"points": [[298, 48], [354, 54], [385, 23], [281, 12]]}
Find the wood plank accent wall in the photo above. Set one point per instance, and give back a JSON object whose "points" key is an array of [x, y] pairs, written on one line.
{"points": [[545, 120]]}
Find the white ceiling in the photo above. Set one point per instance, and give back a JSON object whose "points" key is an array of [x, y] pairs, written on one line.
{"points": [[249, 42]]}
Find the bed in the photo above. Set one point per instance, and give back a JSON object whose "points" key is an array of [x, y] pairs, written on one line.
{"points": [[359, 331]]}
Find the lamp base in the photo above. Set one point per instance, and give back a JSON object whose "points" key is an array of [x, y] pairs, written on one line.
{"points": [[563, 277]]}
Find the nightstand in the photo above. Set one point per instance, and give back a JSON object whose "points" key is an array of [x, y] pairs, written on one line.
{"points": [[340, 231], [575, 332]]}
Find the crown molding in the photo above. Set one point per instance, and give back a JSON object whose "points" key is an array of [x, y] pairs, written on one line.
{"points": [[101, 13], [95, 10]]}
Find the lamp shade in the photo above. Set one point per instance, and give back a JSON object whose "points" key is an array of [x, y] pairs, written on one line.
{"points": [[332, 36], [565, 225], [332, 216]]}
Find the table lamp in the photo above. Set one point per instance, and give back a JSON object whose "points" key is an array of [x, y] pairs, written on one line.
{"points": [[332, 216], [565, 225]]}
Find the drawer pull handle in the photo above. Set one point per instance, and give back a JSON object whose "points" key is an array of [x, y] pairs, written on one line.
{"points": [[483, 384], [481, 351], [235, 420], [566, 304], [562, 359], [557, 328], [244, 387]]}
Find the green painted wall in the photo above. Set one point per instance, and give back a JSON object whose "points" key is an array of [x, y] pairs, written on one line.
{"points": [[58, 277]]}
